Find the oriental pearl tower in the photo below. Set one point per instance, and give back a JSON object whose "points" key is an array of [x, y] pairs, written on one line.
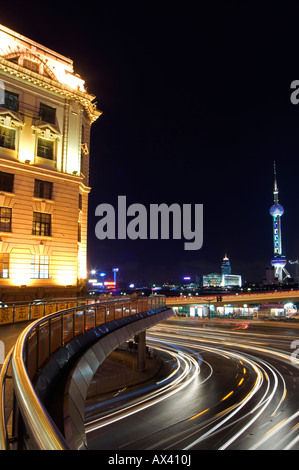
{"points": [[279, 260]]}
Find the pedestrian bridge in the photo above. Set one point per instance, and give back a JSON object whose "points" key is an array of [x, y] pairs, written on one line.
{"points": [[45, 377]]}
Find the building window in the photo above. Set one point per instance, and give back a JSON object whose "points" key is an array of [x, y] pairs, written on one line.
{"points": [[6, 181], [39, 267], [80, 202], [43, 189], [7, 137], [4, 265], [45, 148], [11, 100], [79, 232], [82, 164], [5, 219], [41, 224], [47, 113]]}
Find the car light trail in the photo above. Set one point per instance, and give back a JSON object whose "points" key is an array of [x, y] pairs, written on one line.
{"points": [[255, 367], [187, 370], [262, 375], [277, 429]]}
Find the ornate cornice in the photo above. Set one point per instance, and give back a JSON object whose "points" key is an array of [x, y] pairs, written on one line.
{"points": [[33, 78]]}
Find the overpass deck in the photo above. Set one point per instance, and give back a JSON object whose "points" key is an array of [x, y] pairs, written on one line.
{"points": [[249, 298]]}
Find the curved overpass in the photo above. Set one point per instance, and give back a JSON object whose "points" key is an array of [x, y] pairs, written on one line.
{"points": [[45, 353]]}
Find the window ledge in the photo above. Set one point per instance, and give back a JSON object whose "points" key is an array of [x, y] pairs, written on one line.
{"points": [[45, 162], [44, 237], [41, 199], [6, 193]]}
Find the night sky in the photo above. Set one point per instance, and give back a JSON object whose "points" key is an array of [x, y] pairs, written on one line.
{"points": [[196, 107]]}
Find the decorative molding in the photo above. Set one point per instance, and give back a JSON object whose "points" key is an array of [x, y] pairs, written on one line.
{"points": [[46, 130], [10, 119], [81, 97]]}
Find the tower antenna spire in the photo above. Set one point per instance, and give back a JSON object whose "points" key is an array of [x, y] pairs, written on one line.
{"points": [[275, 180], [275, 192]]}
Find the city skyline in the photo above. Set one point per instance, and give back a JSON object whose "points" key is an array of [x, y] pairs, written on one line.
{"points": [[195, 110]]}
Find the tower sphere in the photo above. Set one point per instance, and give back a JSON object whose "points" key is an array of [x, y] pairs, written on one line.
{"points": [[279, 261], [276, 210]]}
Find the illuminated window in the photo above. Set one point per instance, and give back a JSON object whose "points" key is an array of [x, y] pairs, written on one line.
{"points": [[41, 224], [47, 113], [39, 267], [45, 148], [6, 181], [43, 189], [7, 137], [4, 265], [5, 219]]}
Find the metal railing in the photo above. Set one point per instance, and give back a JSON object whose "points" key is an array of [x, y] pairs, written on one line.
{"points": [[36, 343], [15, 312]]}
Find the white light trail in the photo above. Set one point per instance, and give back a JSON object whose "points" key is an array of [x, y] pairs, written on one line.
{"points": [[187, 369]]}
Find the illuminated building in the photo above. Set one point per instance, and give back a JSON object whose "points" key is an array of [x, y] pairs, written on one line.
{"points": [[45, 120], [225, 279], [115, 271], [279, 260], [225, 266], [212, 279], [231, 280]]}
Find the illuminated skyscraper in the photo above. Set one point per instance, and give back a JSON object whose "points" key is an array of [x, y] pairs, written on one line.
{"points": [[225, 266], [279, 260]]}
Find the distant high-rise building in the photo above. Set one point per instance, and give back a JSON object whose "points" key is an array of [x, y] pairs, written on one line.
{"points": [[225, 266]]}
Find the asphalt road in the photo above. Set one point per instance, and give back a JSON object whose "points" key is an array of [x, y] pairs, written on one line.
{"points": [[231, 386]]}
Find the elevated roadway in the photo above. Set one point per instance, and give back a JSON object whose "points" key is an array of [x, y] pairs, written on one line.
{"points": [[248, 298], [52, 363]]}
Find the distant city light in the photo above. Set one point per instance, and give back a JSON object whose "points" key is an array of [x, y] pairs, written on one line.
{"points": [[102, 274]]}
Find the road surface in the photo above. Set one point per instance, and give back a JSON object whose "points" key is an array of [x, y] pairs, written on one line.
{"points": [[231, 386]]}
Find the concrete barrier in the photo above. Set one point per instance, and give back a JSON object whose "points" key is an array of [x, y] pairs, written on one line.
{"points": [[82, 374]]}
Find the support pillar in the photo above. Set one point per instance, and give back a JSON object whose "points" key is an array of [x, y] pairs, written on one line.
{"points": [[141, 349]]}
